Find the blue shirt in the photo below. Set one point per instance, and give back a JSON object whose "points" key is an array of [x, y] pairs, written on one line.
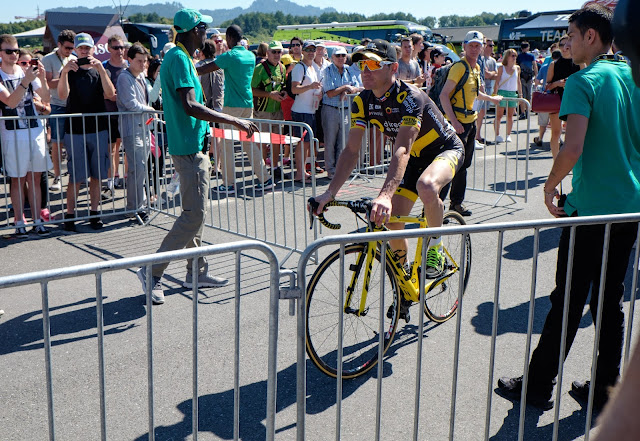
{"points": [[332, 80]]}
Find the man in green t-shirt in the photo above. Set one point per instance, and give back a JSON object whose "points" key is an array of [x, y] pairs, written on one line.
{"points": [[187, 123], [267, 84], [602, 147], [238, 64]]}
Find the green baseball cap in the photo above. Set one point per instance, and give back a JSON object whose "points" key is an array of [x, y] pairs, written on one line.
{"points": [[187, 19], [275, 45]]}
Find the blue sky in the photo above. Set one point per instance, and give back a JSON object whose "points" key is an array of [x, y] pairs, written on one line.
{"points": [[422, 8]]}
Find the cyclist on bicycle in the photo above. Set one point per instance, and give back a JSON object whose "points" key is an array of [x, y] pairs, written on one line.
{"points": [[426, 151]]}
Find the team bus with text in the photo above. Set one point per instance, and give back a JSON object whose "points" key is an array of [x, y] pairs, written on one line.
{"points": [[353, 32]]}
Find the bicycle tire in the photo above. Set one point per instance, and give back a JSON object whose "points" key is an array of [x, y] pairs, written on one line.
{"points": [[441, 303], [360, 333]]}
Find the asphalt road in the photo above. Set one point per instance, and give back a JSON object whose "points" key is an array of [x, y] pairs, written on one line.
{"points": [[23, 412]]}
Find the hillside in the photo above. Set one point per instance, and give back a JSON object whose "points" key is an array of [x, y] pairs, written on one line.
{"points": [[219, 15]]}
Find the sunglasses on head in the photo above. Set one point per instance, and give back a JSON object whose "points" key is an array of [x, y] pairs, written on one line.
{"points": [[372, 65], [11, 51]]}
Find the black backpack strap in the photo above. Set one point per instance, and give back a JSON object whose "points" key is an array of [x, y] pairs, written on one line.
{"points": [[460, 87]]}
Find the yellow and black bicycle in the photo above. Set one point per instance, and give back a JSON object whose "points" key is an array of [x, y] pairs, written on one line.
{"points": [[362, 295]]}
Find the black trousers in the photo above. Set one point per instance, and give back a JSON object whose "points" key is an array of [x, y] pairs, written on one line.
{"points": [[459, 181], [587, 260]]}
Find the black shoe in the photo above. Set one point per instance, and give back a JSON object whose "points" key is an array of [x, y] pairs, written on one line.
{"points": [[403, 313], [580, 391], [511, 389], [460, 209], [523, 116], [70, 226], [96, 222], [537, 141]]}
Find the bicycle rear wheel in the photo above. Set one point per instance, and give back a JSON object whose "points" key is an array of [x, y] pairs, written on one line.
{"points": [[360, 331], [441, 303]]}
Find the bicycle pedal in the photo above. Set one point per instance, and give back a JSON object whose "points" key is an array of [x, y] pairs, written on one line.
{"points": [[406, 316]]}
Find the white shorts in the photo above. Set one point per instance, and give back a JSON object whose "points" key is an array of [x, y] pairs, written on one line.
{"points": [[24, 152]]}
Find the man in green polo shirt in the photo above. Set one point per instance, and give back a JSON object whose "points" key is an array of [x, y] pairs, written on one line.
{"points": [[187, 123], [602, 147], [238, 64]]}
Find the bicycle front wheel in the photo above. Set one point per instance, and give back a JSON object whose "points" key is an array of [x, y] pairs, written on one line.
{"points": [[360, 330], [441, 303]]}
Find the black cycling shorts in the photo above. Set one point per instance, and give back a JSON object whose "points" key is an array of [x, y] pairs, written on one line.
{"points": [[452, 152]]}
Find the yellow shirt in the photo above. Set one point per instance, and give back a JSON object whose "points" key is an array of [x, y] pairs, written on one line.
{"points": [[470, 89]]}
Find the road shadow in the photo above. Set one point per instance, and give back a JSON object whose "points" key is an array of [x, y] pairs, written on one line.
{"points": [[533, 182], [216, 410], [570, 427], [523, 248], [24, 333]]}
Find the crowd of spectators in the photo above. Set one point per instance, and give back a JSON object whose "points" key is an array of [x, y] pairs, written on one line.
{"points": [[255, 86]]}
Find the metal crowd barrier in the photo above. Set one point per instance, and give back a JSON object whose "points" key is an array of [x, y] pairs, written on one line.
{"points": [[497, 169], [53, 209], [44, 278], [487, 362], [269, 215]]}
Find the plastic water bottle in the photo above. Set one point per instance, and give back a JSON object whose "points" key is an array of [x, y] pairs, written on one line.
{"points": [[174, 185]]}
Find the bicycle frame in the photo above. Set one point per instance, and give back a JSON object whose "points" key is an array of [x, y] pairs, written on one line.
{"points": [[408, 283]]}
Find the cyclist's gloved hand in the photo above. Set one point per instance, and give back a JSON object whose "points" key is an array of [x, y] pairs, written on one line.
{"points": [[380, 210]]}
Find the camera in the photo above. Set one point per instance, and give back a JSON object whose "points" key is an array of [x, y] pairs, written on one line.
{"points": [[33, 62], [83, 61]]}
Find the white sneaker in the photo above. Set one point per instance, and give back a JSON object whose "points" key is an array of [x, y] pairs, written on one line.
{"points": [[499, 139], [205, 281], [508, 138], [479, 145], [55, 185]]}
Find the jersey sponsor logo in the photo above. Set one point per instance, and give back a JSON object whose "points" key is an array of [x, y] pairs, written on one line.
{"points": [[410, 105], [357, 108], [390, 110], [401, 96], [377, 123], [410, 121]]}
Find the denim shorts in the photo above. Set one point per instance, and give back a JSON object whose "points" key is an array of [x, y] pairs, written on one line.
{"points": [[307, 118], [88, 156], [57, 124]]}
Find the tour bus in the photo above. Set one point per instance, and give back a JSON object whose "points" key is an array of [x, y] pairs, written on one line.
{"points": [[353, 32]]}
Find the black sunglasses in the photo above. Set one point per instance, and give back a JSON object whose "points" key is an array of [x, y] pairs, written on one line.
{"points": [[117, 48], [11, 51], [296, 44]]}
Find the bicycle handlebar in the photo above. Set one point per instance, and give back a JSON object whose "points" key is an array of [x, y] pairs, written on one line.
{"points": [[359, 206]]}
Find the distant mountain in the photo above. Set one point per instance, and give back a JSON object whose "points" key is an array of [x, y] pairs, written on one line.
{"points": [[219, 15]]}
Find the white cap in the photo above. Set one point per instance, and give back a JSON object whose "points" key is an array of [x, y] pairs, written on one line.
{"points": [[474, 36], [340, 50]]}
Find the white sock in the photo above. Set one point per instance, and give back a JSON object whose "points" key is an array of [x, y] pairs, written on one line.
{"points": [[435, 242]]}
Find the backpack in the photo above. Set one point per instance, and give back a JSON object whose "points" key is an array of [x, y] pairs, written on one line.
{"points": [[440, 79], [287, 83], [265, 65]]}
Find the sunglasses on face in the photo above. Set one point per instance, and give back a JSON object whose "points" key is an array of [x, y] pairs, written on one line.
{"points": [[69, 48], [117, 48], [340, 55], [295, 44], [11, 51], [372, 65], [276, 52], [202, 27], [24, 63], [491, 45], [217, 41], [310, 49]]}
